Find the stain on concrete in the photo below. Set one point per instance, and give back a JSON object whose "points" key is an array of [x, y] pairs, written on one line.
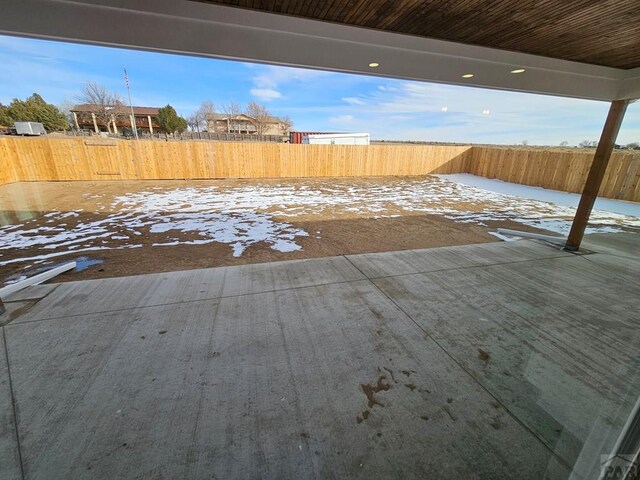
{"points": [[424, 417], [484, 356], [391, 373], [410, 386], [371, 390]]}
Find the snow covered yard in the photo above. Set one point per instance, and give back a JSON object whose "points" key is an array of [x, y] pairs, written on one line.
{"points": [[274, 215]]}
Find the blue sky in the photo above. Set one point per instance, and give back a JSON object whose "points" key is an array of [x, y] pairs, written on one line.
{"points": [[315, 100]]}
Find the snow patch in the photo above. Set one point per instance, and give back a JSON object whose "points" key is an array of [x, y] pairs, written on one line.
{"points": [[247, 214]]}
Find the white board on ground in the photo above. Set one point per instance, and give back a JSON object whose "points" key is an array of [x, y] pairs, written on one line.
{"points": [[36, 279]]}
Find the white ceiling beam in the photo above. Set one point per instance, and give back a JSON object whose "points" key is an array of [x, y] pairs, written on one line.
{"points": [[192, 28]]}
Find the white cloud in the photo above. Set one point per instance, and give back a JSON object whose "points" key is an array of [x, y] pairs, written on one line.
{"points": [[265, 94], [414, 111], [269, 78], [353, 101], [342, 120]]}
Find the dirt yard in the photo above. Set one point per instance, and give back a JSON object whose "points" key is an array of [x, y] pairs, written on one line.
{"points": [[126, 228]]}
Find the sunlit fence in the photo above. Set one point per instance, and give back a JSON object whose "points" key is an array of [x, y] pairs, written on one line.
{"points": [[97, 158]]}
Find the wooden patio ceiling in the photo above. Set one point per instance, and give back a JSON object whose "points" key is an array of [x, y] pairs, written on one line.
{"points": [[598, 32]]}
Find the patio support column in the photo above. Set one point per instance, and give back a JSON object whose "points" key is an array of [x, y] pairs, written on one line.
{"points": [[150, 124], [95, 123], [75, 120], [596, 173]]}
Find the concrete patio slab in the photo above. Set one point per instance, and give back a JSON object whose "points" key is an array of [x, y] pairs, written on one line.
{"points": [[375, 265], [540, 335], [509, 360], [93, 296], [270, 385], [33, 292], [621, 244], [9, 451]]}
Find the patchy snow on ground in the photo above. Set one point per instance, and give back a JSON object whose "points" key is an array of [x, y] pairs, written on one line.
{"points": [[244, 214], [542, 194]]}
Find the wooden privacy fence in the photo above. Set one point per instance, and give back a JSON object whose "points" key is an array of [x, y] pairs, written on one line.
{"points": [[32, 159], [56, 159], [558, 169]]}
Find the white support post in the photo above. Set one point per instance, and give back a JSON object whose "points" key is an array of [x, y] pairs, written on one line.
{"points": [[95, 123]]}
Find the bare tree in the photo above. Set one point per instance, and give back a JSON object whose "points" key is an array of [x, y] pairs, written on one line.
{"points": [[205, 114], [260, 115], [108, 105], [564, 143], [194, 122], [285, 124], [65, 106], [232, 108]]}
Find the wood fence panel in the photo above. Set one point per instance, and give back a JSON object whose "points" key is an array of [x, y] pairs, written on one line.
{"points": [[92, 158], [556, 169]]}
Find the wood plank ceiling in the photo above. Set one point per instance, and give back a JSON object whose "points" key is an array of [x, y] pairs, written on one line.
{"points": [[599, 32]]}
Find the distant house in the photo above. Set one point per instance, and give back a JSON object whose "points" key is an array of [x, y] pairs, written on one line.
{"points": [[87, 117], [241, 123]]}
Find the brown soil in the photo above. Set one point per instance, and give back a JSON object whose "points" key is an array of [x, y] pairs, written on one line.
{"points": [[330, 234]]}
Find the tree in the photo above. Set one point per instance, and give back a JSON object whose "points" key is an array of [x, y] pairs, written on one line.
{"points": [[182, 125], [286, 124], [35, 109], [588, 144], [169, 121], [5, 118], [260, 115], [564, 143], [194, 122], [108, 105], [232, 108], [65, 107], [630, 146], [525, 142], [200, 119], [206, 113]]}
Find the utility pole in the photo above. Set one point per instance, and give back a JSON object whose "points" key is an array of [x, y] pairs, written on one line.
{"points": [[133, 117]]}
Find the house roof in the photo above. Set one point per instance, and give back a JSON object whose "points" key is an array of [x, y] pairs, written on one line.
{"points": [[224, 116], [86, 107], [591, 31]]}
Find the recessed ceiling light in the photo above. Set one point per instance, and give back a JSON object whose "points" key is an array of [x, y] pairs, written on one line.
{"points": [[374, 64], [518, 70], [467, 75]]}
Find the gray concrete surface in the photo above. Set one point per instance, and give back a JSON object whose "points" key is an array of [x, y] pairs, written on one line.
{"points": [[508, 360], [9, 455]]}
